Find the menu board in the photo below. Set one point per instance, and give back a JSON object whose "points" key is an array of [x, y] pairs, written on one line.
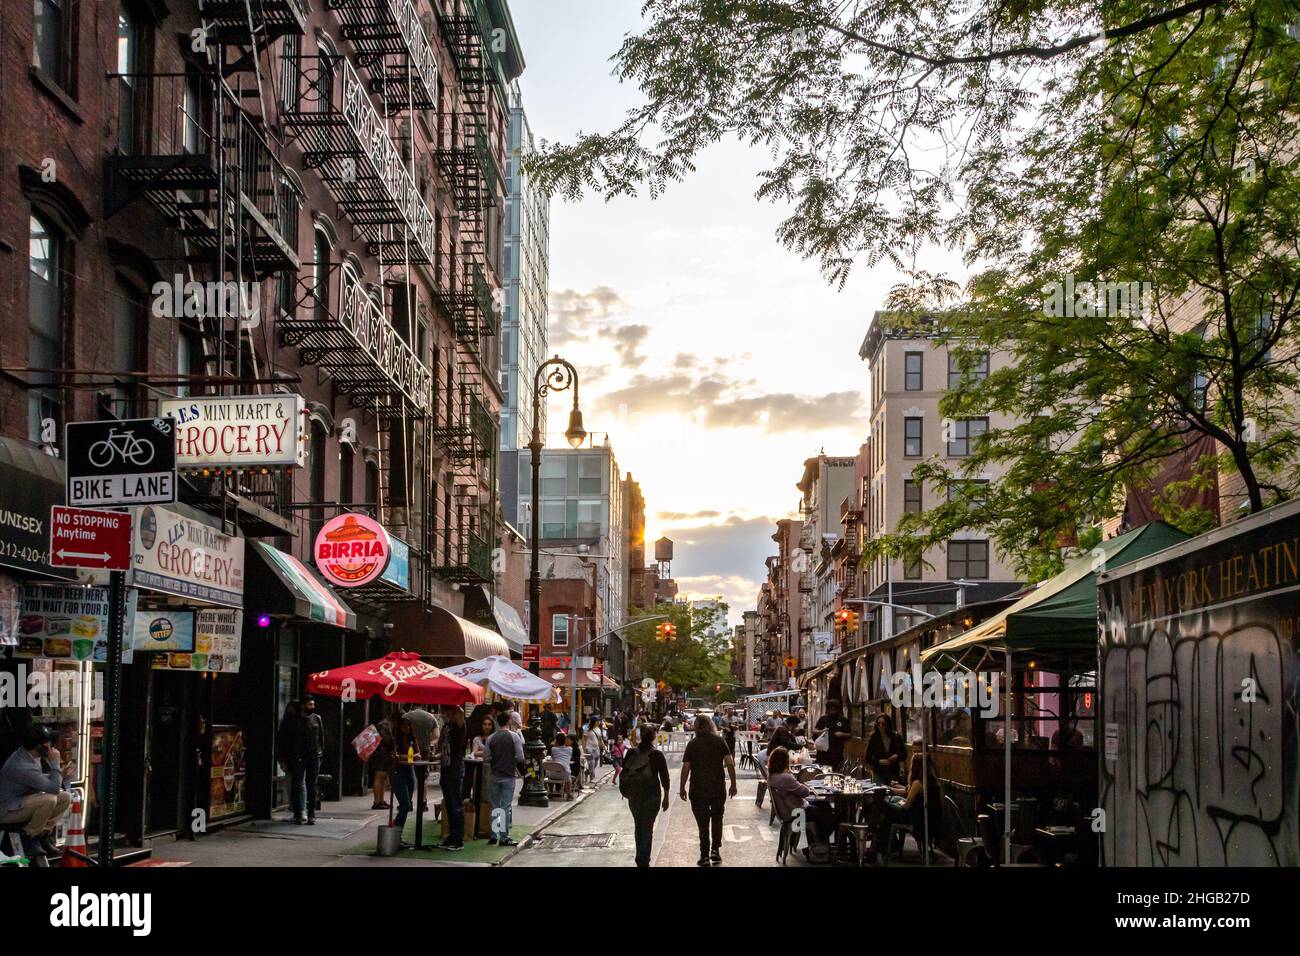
{"points": [[65, 621], [216, 644], [163, 630], [228, 772]]}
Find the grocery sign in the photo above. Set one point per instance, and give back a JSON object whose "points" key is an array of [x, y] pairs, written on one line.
{"points": [[239, 431], [178, 555], [352, 550]]}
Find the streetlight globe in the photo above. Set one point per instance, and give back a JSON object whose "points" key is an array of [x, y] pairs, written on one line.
{"points": [[575, 434]]}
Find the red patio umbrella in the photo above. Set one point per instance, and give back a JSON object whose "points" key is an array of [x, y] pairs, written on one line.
{"points": [[400, 677]]}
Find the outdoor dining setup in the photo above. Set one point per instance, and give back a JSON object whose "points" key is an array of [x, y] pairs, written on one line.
{"points": [[990, 700], [402, 678]]}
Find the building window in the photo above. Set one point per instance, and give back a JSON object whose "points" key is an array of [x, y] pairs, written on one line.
{"points": [[559, 630], [968, 559], [911, 496], [912, 569], [913, 371], [316, 464], [189, 361], [978, 371], [912, 437], [346, 462], [321, 276], [965, 433], [53, 29], [128, 65], [45, 329], [978, 487], [129, 313]]}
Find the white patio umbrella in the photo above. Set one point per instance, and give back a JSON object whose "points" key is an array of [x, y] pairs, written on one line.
{"points": [[505, 678]]}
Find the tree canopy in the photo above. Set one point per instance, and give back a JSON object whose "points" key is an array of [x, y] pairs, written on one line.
{"points": [[1119, 178], [691, 663]]}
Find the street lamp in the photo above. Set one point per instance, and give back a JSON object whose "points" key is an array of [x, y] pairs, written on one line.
{"points": [[553, 375]]}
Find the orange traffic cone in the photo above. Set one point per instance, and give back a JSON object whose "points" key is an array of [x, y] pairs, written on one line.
{"points": [[75, 838]]}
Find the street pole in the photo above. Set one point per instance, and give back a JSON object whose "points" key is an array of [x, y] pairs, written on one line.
{"points": [[555, 374], [112, 715]]}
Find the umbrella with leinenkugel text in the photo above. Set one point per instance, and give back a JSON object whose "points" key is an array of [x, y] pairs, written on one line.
{"points": [[400, 677]]}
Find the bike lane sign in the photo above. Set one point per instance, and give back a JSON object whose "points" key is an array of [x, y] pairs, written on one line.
{"points": [[121, 462]]}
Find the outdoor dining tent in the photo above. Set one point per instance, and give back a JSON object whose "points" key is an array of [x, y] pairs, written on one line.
{"points": [[1059, 616], [1056, 622]]}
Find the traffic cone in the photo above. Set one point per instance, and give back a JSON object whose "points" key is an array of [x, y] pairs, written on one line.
{"points": [[75, 838]]}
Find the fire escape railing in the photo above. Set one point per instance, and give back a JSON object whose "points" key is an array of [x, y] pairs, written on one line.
{"points": [[340, 329], [328, 110], [271, 19], [181, 137], [387, 36]]}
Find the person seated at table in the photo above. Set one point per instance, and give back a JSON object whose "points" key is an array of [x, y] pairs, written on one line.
{"points": [[562, 754], [909, 804], [783, 736], [885, 751], [788, 795]]}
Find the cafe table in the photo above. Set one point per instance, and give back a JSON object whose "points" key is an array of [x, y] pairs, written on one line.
{"points": [[848, 800], [421, 774]]}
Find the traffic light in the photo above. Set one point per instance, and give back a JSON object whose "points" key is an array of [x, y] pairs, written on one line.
{"points": [[660, 631], [842, 617], [853, 620], [717, 688], [670, 631]]}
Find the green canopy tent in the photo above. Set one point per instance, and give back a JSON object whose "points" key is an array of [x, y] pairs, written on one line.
{"points": [[1059, 616], [1056, 622]]}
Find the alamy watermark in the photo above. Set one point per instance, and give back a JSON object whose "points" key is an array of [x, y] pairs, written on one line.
{"points": [[954, 689], [217, 298], [48, 690], [1088, 299]]}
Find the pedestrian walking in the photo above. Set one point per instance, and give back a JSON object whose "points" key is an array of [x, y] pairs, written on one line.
{"points": [[645, 786], [381, 766], [617, 751], [593, 745], [703, 783], [308, 744], [549, 723], [452, 761], [505, 755]]}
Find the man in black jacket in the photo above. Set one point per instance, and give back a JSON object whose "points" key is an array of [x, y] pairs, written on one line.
{"points": [[308, 744]]}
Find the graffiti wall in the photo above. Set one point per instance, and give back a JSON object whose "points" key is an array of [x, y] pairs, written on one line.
{"points": [[1200, 693]]}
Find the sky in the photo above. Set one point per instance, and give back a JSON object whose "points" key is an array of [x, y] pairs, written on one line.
{"points": [[715, 360]]}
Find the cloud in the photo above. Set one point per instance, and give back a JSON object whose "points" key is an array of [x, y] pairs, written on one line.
{"points": [[724, 402], [687, 515], [726, 558], [627, 340], [575, 315], [740, 593]]}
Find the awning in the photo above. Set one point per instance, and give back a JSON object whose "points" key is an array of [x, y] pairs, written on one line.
{"points": [[33, 482], [495, 615], [587, 680], [290, 588], [439, 633], [1061, 613]]}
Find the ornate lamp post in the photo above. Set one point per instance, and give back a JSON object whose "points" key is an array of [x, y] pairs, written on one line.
{"points": [[553, 375]]}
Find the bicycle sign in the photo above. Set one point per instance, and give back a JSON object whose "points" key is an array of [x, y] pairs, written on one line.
{"points": [[125, 462]]}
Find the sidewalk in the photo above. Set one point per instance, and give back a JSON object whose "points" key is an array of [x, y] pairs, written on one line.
{"points": [[345, 835]]}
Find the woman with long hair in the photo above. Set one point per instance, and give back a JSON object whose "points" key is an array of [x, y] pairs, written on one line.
{"points": [[381, 766], [406, 748], [885, 751]]}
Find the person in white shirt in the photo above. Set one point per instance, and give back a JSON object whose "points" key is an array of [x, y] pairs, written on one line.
{"points": [[593, 744]]}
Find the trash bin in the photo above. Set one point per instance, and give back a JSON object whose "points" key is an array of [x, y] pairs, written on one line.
{"points": [[390, 841]]}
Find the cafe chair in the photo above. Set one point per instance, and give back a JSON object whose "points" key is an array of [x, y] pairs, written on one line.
{"points": [[559, 782], [969, 849], [787, 841], [860, 835]]}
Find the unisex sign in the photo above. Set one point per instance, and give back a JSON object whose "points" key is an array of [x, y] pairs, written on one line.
{"points": [[126, 462], [178, 555], [352, 550], [239, 431], [90, 538]]}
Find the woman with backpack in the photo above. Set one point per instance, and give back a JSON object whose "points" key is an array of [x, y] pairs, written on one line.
{"points": [[645, 785]]}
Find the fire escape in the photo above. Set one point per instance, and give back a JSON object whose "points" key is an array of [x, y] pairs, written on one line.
{"points": [[466, 161], [192, 146], [362, 337]]}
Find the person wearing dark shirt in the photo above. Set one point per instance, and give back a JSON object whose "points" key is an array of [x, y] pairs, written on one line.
{"points": [[703, 763], [505, 752], [307, 746], [885, 751], [836, 726], [452, 754], [646, 786]]}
